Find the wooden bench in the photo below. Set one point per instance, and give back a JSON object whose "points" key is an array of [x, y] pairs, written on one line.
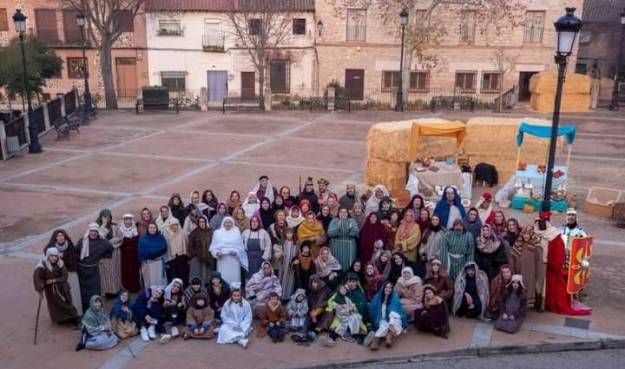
{"points": [[451, 102], [156, 100], [237, 103], [64, 125]]}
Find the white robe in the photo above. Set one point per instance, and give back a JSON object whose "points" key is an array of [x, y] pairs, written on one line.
{"points": [[236, 322], [225, 242]]}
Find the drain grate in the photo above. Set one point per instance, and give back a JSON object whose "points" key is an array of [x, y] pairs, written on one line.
{"points": [[577, 323]]}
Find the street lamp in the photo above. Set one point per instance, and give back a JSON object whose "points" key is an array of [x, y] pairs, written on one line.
{"points": [[319, 26], [614, 104], [403, 20], [567, 28], [81, 21], [20, 27]]}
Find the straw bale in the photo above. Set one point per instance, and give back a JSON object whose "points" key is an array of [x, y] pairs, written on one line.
{"points": [[389, 173], [571, 103], [546, 82], [605, 89]]}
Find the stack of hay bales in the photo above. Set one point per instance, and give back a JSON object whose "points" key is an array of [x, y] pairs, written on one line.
{"points": [[492, 140], [575, 96], [388, 148]]}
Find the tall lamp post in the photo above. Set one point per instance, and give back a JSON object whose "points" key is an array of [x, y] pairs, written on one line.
{"points": [[81, 21], [567, 28], [617, 75], [403, 20], [20, 26]]}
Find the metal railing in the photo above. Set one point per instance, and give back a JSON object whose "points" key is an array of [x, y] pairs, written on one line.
{"points": [[213, 42], [54, 110], [70, 102], [17, 128], [509, 99]]}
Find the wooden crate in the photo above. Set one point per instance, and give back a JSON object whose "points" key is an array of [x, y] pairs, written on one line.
{"points": [[600, 201]]}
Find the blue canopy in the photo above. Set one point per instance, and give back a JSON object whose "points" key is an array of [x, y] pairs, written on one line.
{"points": [[545, 132]]}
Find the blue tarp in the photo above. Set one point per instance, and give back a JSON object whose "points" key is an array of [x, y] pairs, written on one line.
{"points": [[544, 132]]}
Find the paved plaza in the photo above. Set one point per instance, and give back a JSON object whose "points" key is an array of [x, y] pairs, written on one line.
{"points": [[125, 161]]}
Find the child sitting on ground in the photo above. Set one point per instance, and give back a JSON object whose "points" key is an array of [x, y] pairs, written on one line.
{"points": [[298, 311], [273, 319], [199, 318]]}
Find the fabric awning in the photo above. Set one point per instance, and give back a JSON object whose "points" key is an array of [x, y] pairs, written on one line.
{"points": [[455, 130], [544, 132]]}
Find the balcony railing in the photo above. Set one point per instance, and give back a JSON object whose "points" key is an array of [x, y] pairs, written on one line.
{"points": [[213, 42]]}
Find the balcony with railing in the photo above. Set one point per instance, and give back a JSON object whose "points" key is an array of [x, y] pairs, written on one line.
{"points": [[213, 42]]}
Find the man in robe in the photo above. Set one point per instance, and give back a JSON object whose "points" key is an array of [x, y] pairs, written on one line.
{"points": [[485, 208], [572, 228], [236, 319], [324, 192], [92, 248], [457, 248], [450, 208], [309, 194], [471, 292], [264, 188], [348, 200]]}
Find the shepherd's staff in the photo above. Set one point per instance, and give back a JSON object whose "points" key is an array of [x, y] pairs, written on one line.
{"points": [[300, 184], [37, 318]]}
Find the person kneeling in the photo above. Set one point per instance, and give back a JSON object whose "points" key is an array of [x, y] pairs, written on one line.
{"points": [[97, 333], [273, 319], [236, 318], [387, 315], [347, 320], [471, 292], [513, 306], [199, 318]]}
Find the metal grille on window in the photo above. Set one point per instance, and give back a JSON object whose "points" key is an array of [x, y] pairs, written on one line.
{"points": [[168, 27], [174, 81], [279, 78], [299, 26], [356, 24]]}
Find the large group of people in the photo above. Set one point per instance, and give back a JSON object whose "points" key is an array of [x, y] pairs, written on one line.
{"points": [[314, 266]]}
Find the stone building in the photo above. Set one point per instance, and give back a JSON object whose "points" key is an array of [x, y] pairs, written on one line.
{"points": [[57, 26]]}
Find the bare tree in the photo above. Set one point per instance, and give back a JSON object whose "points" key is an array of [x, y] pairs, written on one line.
{"points": [[428, 23], [105, 27], [261, 26], [505, 62]]}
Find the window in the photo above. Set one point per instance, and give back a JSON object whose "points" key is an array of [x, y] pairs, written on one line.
{"points": [[356, 25], [255, 26], [279, 81], [213, 38], [467, 27], [465, 81], [422, 33], [390, 81], [491, 81], [534, 25], [75, 67], [419, 81], [45, 21], [299, 26], [169, 27], [174, 81], [125, 21], [4, 20], [70, 27]]}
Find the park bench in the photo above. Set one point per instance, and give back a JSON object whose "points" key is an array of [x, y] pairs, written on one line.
{"points": [[156, 99], [452, 102], [237, 103], [64, 125]]}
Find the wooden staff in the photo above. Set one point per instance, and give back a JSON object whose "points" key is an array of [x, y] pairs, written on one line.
{"points": [[37, 318], [300, 185]]}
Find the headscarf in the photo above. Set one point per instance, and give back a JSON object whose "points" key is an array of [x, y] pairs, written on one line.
{"points": [[360, 274], [233, 204], [385, 214], [498, 284], [406, 227], [516, 278], [189, 292], [225, 241], [325, 219], [95, 318], [266, 216], [45, 262], [488, 245], [369, 235], [442, 207], [393, 306], [84, 251], [67, 250], [298, 307], [151, 246], [372, 282], [176, 241], [242, 224], [171, 285], [215, 221], [475, 227], [117, 311], [248, 207], [373, 203], [413, 279], [531, 244], [293, 222], [324, 268], [128, 232], [268, 190], [396, 270], [306, 230], [317, 298], [384, 269]]}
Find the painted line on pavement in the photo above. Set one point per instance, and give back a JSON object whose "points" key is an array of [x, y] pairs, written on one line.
{"points": [[598, 158], [482, 334], [120, 359], [43, 167], [64, 189], [287, 166]]}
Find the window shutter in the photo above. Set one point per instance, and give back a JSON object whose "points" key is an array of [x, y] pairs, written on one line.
{"points": [[4, 20], [70, 27], [124, 19], [45, 21]]}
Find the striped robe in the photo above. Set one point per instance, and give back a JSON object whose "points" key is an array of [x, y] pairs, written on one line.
{"points": [[456, 249], [343, 235]]}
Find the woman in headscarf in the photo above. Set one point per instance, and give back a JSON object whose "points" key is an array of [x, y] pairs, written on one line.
{"points": [[295, 217], [260, 286], [148, 314], [218, 217], [333, 205], [472, 223], [457, 249], [122, 321], [278, 204], [328, 268], [236, 317], [218, 292], [196, 201], [174, 307], [258, 246], [387, 317], [347, 322], [438, 277], [251, 204], [177, 258], [325, 217], [69, 255], [177, 208], [433, 315], [408, 237], [392, 226], [131, 274], [513, 306], [373, 281], [383, 263], [152, 248], [358, 214], [416, 203], [497, 288], [110, 266], [373, 202], [449, 208], [513, 229], [92, 248], [317, 298], [50, 277], [234, 201], [190, 222], [265, 213], [490, 253], [471, 292], [372, 234], [311, 230], [97, 331], [357, 268], [288, 253], [342, 233], [398, 263], [297, 310], [211, 202], [164, 217], [304, 206], [409, 287], [228, 249], [499, 223], [145, 218], [432, 239], [240, 219], [384, 212], [202, 263], [285, 197], [195, 288], [527, 259], [277, 230]]}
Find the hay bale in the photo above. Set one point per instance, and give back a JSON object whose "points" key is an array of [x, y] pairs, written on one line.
{"points": [[575, 96], [389, 173]]}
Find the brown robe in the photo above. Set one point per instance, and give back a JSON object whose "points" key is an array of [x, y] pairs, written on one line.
{"points": [[270, 316], [444, 285], [53, 282], [199, 316], [526, 258]]}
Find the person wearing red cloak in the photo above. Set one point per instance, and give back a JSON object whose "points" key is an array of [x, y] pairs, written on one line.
{"points": [[557, 299]]}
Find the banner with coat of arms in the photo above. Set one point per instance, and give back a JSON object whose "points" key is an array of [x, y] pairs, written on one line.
{"points": [[579, 263]]}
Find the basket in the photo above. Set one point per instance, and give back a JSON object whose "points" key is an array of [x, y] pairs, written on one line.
{"points": [[600, 201]]}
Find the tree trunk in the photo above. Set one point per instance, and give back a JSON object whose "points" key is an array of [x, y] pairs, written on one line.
{"points": [[106, 61], [405, 76]]}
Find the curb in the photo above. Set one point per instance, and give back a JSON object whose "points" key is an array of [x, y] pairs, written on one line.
{"points": [[467, 353]]}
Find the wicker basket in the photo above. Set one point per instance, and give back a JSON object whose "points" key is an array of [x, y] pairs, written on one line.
{"points": [[601, 201]]}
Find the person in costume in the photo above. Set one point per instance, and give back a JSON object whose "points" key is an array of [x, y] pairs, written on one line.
{"points": [[433, 315], [572, 228], [324, 192], [350, 198], [148, 311], [387, 317], [264, 189], [211, 202], [145, 218], [309, 194], [297, 310], [472, 223], [258, 246], [348, 322], [195, 288], [432, 239], [151, 254], [69, 255], [122, 321], [218, 293], [110, 264], [261, 286], [485, 208], [512, 307], [240, 219], [490, 253], [218, 217], [177, 257], [96, 327], [497, 288], [471, 292], [527, 258], [328, 268], [130, 270], [201, 263], [372, 234], [265, 214], [373, 202], [177, 208], [449, 208], [457, 249], [273, 318], [343, 232], [285, 255], [303, 266], [236, 319], [199, 318], [409, 288], [234, 201], [408, 237], [285, 199], [228, 249], [373, 281], [317, 298], [92, 248], [437, 276]]}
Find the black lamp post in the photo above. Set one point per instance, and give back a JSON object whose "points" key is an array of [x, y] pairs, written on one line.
{"points": [[614, 104], [20, 27], [567, 28], [81, 21], [403, 20]]}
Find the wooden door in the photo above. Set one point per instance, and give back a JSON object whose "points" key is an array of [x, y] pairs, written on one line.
{"points": [[355, 83], [126, 69], [248, 85], [217, 85]]}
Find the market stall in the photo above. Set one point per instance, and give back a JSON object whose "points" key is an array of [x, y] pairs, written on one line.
{"points": [[428, 176], [529, 180]]}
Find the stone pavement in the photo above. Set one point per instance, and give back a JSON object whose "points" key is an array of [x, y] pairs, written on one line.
{"points": [[125, 162]]}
